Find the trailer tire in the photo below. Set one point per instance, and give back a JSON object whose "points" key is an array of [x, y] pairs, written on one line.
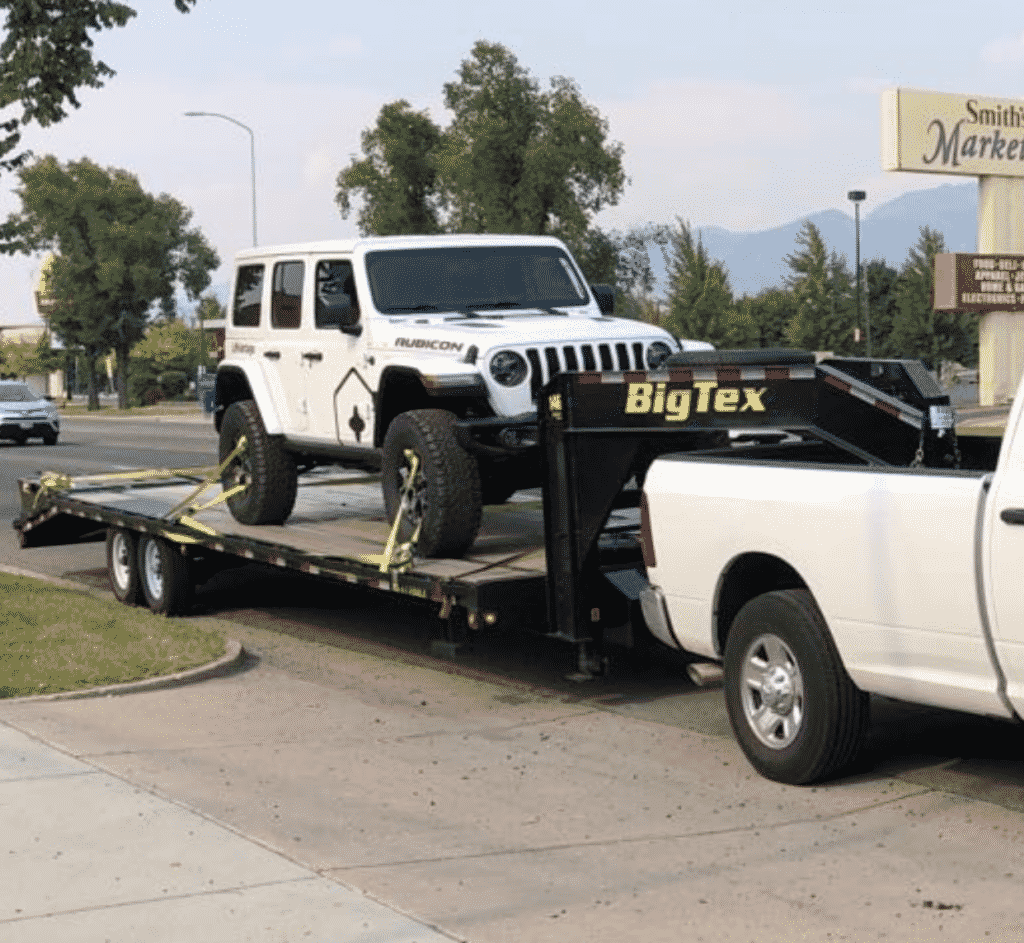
{"points": [[446, 499], [796, 714], [165, 576], [123, 565], [267, 469]]}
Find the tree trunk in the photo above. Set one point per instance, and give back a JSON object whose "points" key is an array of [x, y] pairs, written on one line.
{"points": [[122, 376], [94, 395]]}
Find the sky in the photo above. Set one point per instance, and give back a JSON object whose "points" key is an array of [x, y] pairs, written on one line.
{"points": [[744, 115]]}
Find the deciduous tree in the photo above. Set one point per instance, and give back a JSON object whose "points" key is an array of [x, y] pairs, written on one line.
{"points": [[515, 159], [118, 250], [46, 57]]}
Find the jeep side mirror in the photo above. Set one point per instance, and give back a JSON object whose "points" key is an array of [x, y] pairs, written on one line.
{"points": [[604, 295], [355, 330]]}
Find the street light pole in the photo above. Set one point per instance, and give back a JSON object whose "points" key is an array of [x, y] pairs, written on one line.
{"points": [[857, 196], [252, 155]]}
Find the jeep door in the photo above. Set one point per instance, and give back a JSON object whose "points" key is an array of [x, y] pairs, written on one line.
{"points": [[285, 351], [339, 387]]}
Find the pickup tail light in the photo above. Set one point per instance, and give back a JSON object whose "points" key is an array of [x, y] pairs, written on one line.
{"points": [[646, 537]]}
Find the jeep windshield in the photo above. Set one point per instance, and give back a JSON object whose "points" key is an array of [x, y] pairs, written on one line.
{"points": [[468, 279]]}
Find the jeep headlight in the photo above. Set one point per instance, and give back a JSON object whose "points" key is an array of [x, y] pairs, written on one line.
{"points": [[656, 354], [508, 368]]}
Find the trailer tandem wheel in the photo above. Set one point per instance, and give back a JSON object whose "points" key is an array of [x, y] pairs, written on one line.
{"points": [[123, 565], [165, 576]]}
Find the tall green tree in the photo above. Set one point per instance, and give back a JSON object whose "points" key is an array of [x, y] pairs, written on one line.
{"points": [[880, 283], [918, 330], [118, 250], [515, 159], [519, 160], [700, 302], [771, 312], [822, 286], [46, 57], [397, 176]]}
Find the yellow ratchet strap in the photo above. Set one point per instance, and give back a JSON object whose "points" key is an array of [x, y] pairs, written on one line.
{"points": [[396, 557]]}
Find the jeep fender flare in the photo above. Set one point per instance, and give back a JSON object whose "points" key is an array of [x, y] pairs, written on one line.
{"points": [[244, 380]]}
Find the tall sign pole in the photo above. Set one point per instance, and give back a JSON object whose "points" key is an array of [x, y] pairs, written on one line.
{"points": [[983, 137]]}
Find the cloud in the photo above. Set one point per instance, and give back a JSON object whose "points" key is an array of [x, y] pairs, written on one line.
{"points": [[1005, 50]]}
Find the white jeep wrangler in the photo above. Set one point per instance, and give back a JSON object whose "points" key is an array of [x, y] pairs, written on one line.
{"points": [[409, 352]]}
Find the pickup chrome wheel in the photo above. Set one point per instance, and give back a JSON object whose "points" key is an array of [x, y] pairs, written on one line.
{"points": [[122, 565], [442, 500], [266, 472], [164, 575], [793, 708]]}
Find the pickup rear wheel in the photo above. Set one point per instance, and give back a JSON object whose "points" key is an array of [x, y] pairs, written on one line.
{"points": [[793, 708], [443, 499], [165, 576], [265, 468], [123, 566]]}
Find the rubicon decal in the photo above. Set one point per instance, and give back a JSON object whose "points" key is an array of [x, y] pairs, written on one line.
{"points": [[424, 344], [706, 396]]}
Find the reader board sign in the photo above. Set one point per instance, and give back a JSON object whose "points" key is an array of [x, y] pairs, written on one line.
{"points": [[975, 282], [936, 132]]}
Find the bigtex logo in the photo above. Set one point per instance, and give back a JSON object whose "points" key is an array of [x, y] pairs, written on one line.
{"points": [[706, 396]]}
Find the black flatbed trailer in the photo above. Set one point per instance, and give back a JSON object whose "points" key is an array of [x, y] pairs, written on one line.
{"points": [[567, 564]]}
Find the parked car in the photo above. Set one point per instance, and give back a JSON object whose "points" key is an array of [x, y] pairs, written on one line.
{"points": [[25, 415]]}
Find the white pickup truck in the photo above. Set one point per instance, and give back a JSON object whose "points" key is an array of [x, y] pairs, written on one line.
{"points": [[818, 581]]}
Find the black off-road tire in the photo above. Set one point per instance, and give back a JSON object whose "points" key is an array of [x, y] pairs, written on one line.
{"points": [[123, 565], [164, 576], [50, 439], [447, 489], [267, 469], [779, 642]]}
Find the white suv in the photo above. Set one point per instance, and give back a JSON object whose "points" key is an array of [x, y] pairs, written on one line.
{"points": [[25, 415], [409, 352]]}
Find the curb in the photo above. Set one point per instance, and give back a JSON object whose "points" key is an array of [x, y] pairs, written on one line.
{"points": [[232, 657]]}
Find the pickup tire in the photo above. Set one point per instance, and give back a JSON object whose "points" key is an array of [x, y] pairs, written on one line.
{"points": [[793, 708], [265, 467], [444, 499], [123, 565], [165, 576]]}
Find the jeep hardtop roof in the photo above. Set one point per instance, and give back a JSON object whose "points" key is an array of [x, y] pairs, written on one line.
{"points": [[347, 246]]}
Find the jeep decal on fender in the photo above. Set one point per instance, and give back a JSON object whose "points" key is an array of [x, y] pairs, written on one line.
{"points": [[424, 344], [677, 403]]}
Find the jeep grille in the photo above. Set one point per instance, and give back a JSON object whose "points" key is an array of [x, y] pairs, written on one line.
{"points": [[545, 362]]}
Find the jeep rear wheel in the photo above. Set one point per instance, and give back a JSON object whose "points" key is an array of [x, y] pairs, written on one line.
{"points": [[264, 467], [443, 499]]}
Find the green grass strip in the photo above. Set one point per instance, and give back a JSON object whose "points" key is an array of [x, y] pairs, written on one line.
{"points": [[54, 639]]}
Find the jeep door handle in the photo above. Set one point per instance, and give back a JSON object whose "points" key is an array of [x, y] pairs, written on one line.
{"points": [[1012, 515], [313, 355], [272, 354]]}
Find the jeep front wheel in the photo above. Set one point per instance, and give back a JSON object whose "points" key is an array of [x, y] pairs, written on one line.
{"points": [[265, 469], [443, 499]]}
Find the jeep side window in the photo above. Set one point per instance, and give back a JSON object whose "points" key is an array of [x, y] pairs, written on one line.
{"points": [[248, 296], [286, 298], [336, 300]]}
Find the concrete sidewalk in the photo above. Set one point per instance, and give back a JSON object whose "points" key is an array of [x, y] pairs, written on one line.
{"points": [[89, 857]]}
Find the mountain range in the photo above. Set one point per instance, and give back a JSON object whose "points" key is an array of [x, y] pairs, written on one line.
{"points": [[757, 260]]}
